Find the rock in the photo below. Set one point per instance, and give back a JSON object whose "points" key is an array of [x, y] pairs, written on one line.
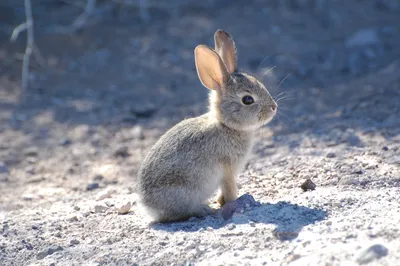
{"points": [[27, 245], [230, 226], [376, 251], [65, 141], [49, 251], [358, 172], [122, 152], [330, 155], [92, 186], [363, 37], [100, 208], [292, 258], [3, 168], [73, 219], [124, 209], [348, 180], [98, 177], [137, 132], [28, 197], [143, 110], [104, 195], [285, 235], [384, 148], [74, 242], [32, 152], [308, 185], [238, 206]]}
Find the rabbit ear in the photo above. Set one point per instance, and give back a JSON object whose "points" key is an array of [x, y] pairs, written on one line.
{"points": [[211, 70], [225, 47]]}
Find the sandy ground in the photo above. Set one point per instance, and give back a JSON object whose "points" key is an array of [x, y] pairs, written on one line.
{"points": [[102, 97]]}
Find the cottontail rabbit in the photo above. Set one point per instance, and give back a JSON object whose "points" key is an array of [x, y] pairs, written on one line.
{"points": [[199, 155]]}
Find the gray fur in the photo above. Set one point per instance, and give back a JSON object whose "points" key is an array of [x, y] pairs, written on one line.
{"points": [[199, 155]]}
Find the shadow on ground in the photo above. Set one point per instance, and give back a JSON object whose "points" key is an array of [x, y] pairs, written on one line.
{"points": [[288, 218]]}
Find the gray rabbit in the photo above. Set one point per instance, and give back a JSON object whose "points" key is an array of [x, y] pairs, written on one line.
{"points": [[199, 155]]}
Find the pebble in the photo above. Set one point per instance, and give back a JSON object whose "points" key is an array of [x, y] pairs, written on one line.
{"points": [[285, 235], [65, 142], [73, 219], [363, 37], [376, 251], [74, 242], [92, 186], [49, 251], [124, 209], [144, 110], [330, 155], [104, 195], [28, 197], [230, 226], [122, 152], [308, 185], [348, 180], [100, 208], [98, 177], [137, 132], [32, 151]]}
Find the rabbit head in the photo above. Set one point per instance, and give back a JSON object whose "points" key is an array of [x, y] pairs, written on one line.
{"points": [[237, 100]]}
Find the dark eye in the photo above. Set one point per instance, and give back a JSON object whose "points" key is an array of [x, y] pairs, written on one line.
{"points": [[247, 100]]}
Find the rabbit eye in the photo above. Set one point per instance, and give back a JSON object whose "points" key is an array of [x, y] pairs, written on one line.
{"points": [[247, 100]]}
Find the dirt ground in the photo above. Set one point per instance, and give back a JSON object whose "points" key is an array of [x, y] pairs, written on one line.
{"points": [[99, 99]]}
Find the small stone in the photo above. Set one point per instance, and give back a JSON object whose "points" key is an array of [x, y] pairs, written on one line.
{"points": [[285, 235], [292, 258], [348, 180], [137, 132], [143, 110], [92, 186], [74, 242], [104, 195], [32, 151], [76, 208], [124, 209], [100, 209], [384, 148], [330, 155], [28, 197], [122, 152], [98, 177], [73, 219], [376, 251], [363, 37], [359, 172], [65, 141], [308, 185], [230, 226], [49, 251]]}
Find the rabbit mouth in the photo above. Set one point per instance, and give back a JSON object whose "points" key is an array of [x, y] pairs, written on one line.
{"points": [[265, 116]]}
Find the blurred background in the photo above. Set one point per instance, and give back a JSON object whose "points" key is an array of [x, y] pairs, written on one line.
{"points": [[108, 78]]}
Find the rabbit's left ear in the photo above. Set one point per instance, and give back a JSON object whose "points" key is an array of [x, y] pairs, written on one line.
{"points": [[210, 68], [225, 47]]}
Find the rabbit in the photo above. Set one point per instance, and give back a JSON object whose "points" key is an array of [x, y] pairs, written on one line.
{"points": [[197, 156]]}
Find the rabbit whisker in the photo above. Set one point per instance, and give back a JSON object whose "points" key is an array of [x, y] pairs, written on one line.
{"points": [[267, 71], [280, 83], [262, 62]]}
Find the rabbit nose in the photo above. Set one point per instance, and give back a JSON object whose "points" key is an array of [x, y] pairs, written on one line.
{"points": [[274, 106]]}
